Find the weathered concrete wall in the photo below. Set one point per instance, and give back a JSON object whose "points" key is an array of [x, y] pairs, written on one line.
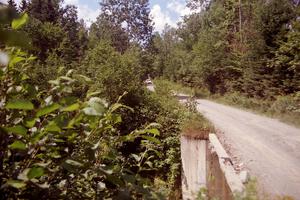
{"points": [[205, 164], [223, 181], [193, 156]]}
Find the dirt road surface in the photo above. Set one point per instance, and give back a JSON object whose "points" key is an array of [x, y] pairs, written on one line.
{"points": [[269, 149]]}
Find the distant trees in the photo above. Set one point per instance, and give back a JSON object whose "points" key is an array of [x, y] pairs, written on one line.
{"points": [[243, 46], [124, 22], [55, 29]]}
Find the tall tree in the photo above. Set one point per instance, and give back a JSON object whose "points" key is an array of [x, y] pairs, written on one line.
{"points": [[103, 29], [73, 44], [45, 10], [131, 16]]}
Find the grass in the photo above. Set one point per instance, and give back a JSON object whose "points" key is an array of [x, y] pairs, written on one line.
{"points": [[179, 88], [284, 108], [197, 127], [194, 124]]}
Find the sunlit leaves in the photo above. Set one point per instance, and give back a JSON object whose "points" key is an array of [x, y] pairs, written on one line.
{"points": [[16, 184], [151, 139], [18, 23], [29, 123], [53, 127], [16, 59], [35, 172], [48, 109], [18, 145], [71, 108], [19, 105], [72, 165], [18, 130], [95, 107]]}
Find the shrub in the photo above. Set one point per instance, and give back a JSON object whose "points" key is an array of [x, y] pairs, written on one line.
{"points": [[54, 144], [112, 72]]}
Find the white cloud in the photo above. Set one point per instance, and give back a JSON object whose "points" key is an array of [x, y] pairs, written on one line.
{"points": [[161, 18], [175, 10], [73, 2], [179, 7]]}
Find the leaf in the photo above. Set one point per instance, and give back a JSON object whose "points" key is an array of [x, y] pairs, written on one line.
{"points": [[117, 106], [30, 123], [37, 137], [18, 23], [153, 131], [52, 127], [54, 82], [150, 164], [16, 60], [74, 163], [115, 180], [16, 184], [116, 119], [65, 78], [96, 107], [136, 157], [83, 78], [19, 130], [35, 172], [93, 94], [71, 108], [76, 120], [151, 139], [47, 110], [69, 73], [19, 105], [18, 145], [153, 125]]}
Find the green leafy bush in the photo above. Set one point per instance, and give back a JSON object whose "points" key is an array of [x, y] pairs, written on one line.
{"points": [[112, 72], [56, 145]]}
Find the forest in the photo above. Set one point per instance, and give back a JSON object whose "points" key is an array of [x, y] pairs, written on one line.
{"points": [[76, 120]]}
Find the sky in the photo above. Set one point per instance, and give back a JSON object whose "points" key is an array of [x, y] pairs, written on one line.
{"points": [[162, 11]]}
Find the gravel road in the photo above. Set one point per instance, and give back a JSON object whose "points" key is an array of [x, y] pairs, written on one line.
{"points": [[268, 149]]}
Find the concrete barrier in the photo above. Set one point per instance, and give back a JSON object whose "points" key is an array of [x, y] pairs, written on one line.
{"points": [[193, 156], [205, 164], [223, 181]]}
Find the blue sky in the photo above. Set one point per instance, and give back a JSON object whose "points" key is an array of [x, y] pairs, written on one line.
{"points": [[162, 11]]}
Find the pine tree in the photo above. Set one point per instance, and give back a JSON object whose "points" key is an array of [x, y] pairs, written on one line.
{"points": [[45, 10], [71, 46]]}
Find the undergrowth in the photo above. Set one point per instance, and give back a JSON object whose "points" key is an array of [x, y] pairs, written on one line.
{"points": [[285, 108]]}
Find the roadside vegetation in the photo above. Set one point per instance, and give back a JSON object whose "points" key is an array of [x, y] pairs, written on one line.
{"points": [[285, 108], [239, 52], [76, 121]]}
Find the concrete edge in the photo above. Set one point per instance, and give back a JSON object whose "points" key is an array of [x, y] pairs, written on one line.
{"points": [[233, 180]]}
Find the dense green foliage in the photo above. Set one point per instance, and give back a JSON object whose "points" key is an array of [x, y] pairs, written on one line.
{"points": [[249, 47], [241, 49], [77, 121]]}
